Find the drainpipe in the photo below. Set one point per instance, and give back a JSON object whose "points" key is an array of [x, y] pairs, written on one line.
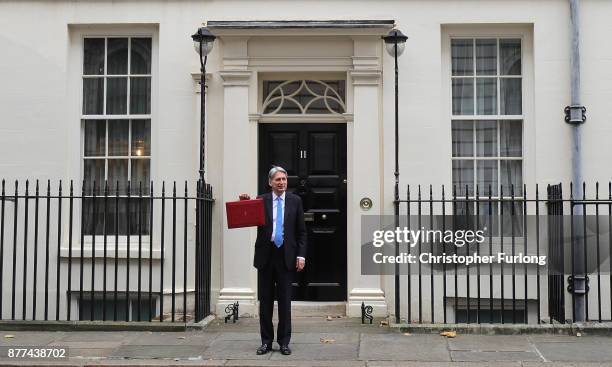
{"points": [[575, 116]]}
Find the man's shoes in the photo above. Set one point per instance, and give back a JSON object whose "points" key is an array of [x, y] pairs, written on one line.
{"points": [[263, 349], [284, 349]]}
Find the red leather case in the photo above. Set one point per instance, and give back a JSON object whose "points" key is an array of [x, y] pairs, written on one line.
{"points": [[245, 213]]}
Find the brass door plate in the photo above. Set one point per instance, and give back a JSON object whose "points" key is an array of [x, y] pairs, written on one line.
{"points": [[365, 203]]}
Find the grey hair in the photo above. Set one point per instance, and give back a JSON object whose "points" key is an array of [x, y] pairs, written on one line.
{"points": [[274, 170]]}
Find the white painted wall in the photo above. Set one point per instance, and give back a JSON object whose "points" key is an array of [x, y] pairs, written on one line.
{"points": [[39, 91]]}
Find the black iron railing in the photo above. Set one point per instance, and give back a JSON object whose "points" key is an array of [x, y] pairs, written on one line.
{"points": [[112, 251], [517, 222]]}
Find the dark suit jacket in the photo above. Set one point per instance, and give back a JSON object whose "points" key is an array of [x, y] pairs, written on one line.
{"points": [[294, 232]]}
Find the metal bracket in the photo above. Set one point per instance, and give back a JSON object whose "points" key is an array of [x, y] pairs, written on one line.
{"points": [[232, 310], [574, 280], [575, 114], [366, 313]]}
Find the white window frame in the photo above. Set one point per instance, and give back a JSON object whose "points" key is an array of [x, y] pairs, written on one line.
{"points": [[498, 118], [78, 33], [524, 32]]}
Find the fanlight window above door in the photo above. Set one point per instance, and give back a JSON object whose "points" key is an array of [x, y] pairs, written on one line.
{"points": [[304, 97]]}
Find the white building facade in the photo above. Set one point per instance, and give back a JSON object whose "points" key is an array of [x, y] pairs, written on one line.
{"points": [[98, 90]]}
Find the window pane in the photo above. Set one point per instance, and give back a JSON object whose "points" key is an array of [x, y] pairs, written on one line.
{"points": [[510, 56], [141, 138], [487, 96], [486, 138], [512, 174], [511, 96], [93, 96], [118, 137], [117, 56], [93, 56], [140, 174], [116, 98], [140, 95], [118, 171], [462, 54], [141, 56], [95, 138], [463, 174], [487, 175], [511, 136], [139, 224], [463, 138], [93, 218], [463, 96], [486, 57], [512, 219], [94, 172], [488, 216], [114, 215]]}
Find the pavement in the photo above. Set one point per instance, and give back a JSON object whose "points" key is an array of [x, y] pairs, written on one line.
{"points": [[316, 341]]}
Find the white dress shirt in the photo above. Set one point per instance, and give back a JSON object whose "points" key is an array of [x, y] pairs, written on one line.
{"points": [[274, 211]]}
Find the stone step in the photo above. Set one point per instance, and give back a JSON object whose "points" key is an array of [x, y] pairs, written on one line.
{"points": [[303, 308]]}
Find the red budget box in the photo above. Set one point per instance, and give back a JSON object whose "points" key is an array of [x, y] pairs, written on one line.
{"points": [[245, 213]]}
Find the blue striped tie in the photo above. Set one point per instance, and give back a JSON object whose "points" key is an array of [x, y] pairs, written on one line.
{"points": [[278, 236]]}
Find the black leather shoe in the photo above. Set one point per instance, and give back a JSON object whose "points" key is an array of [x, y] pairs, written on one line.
{"points": [[284, 349], [263, 349]]}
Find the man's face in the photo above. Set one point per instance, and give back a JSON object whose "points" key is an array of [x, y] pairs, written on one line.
{"points": [[278, 183]]}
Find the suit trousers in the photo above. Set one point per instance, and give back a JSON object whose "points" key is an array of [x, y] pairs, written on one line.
{"points": [[275, 277]]}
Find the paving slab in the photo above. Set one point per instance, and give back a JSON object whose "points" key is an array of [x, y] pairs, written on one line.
{"points": [[397, 346], [254, 337], [170, 338], [565, 364], [86, 344], [442, 364], [98, 336], [319, 352], [294, 363], [234, 349], [200, 338], [29, 337], [468, 356], [90, 352], [158, 351], [333, 338], [579, 352], [490, 343], [570, 339]]}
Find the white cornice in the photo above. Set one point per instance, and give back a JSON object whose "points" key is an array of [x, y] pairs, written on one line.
{"points": [[197, 76], [365, 77], [235, 77]]}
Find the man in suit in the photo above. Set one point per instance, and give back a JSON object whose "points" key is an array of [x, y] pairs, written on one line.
{"points": [[280, 251]]}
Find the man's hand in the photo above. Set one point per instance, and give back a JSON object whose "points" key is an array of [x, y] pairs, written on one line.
{"points": [[299, 264], [244, 197]]}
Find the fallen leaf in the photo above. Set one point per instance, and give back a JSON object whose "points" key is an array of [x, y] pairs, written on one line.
{"points": [[407, 334], [9, 336], [578, 334], [449, 334], [327, 341], [384, 323], [329, 318]]}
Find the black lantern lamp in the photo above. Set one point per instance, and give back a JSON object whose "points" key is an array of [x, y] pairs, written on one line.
{"points": [[395, 41], [203, 41]]}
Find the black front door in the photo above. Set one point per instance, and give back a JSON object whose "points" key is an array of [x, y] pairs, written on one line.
{"points": [[314, 156]]}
